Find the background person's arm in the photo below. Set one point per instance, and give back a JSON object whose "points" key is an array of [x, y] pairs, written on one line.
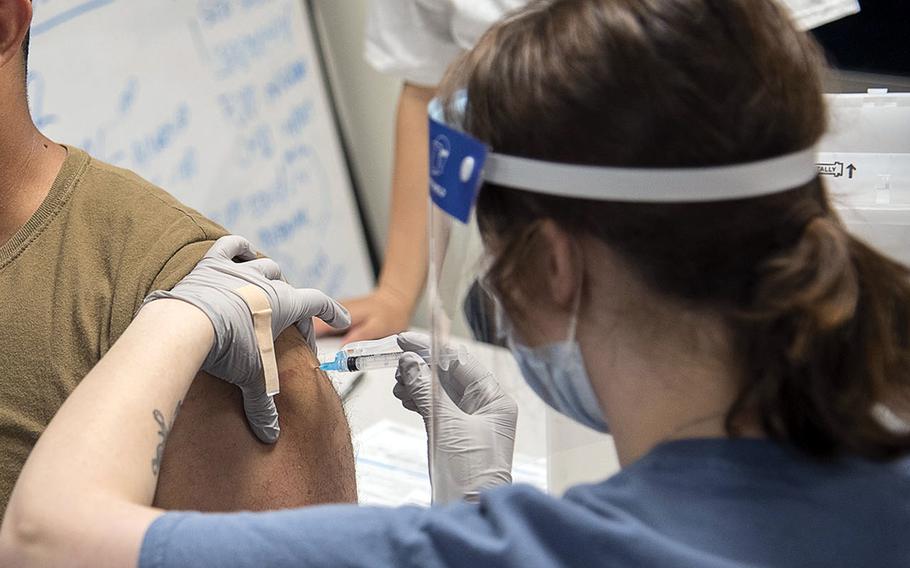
{"points": [[388, 309], [213, 462]]}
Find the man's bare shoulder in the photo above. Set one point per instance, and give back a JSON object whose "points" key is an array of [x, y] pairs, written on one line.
{"points": [[213, 462]]}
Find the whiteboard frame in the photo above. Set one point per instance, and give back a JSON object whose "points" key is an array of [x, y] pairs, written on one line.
{"points": [[347, 155]]}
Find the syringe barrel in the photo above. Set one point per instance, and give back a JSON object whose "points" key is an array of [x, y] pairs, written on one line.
{"points": [[371, 362]]}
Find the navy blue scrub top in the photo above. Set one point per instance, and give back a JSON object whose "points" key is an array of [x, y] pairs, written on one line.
{"points": [[705, 502]]}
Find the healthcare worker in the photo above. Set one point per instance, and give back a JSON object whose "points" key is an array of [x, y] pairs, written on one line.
{"points": [[415, 40], [707, 306]]}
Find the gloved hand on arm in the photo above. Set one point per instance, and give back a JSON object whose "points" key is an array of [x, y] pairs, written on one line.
{"points": [[234, 356], [476, 419]]}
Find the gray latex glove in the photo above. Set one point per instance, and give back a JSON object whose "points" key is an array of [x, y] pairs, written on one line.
{"points": [[476, 419], [234, 356]]}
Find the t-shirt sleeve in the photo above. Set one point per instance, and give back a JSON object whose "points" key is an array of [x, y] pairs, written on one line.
{"points": [[411, 38], [510, 527], [157, 261], [181, 263]]}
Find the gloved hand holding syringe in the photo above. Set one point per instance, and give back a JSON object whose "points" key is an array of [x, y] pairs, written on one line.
{"points": [[383, 354], [475, 432]]}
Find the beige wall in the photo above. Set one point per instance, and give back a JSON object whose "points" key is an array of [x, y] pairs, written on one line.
{"points": [[366, 102]]}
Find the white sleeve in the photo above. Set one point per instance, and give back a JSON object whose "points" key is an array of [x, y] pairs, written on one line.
{"points": [[411, 38]]}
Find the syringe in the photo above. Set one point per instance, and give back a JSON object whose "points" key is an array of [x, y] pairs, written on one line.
{"points": [[346, 363]]}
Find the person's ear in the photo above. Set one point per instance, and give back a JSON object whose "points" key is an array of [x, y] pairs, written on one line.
{"points": [[563, 263], [15, 19]]}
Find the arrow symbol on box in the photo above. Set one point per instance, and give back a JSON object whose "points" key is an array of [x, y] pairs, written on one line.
{"points": [[850, 169]]}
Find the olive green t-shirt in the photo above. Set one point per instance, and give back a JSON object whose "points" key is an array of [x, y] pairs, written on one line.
{"points": [[71, 280]]}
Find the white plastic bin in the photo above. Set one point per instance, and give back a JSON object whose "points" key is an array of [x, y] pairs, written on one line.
{"points": [[865, 159]]}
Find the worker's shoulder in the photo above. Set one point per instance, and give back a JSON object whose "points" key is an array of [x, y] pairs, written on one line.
{"points": [[124, 200]]}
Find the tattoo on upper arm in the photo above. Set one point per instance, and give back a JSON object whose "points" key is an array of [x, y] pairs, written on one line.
{"points": [[164, 429]]}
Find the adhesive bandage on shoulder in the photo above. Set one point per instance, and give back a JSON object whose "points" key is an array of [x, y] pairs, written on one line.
{"points": [[258, 303]]}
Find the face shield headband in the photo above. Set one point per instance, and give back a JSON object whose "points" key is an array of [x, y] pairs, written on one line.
{"points": [[459, 164]]}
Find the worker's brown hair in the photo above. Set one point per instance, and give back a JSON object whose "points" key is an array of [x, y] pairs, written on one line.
{"points": [[820, 321]]}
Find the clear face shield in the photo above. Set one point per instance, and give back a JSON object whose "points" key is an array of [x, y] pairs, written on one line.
{"points": [[464, 314], [551, 450]]}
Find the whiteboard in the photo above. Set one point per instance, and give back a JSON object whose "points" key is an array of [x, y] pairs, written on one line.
{"points": [[223, 103]]}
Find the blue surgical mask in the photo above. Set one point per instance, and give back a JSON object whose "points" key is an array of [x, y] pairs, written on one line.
{"points": [[556, 371]]}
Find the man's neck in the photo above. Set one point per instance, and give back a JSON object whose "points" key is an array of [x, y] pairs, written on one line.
{"points": [[29, 163]]}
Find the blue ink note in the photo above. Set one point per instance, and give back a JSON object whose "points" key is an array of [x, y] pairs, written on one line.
{"points": [[67, 16], [292, 155], [288, 76], [213, 12], [163, 136], [259, 144], [275, 194], [187, 167], [228, 215], [284, 230], [298, 118], [128, 95], [250, 4], [240, 106], [240, 53]]}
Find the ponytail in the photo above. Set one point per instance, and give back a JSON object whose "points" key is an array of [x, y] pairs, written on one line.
{"points": [[819, 321], [826, 348]]}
